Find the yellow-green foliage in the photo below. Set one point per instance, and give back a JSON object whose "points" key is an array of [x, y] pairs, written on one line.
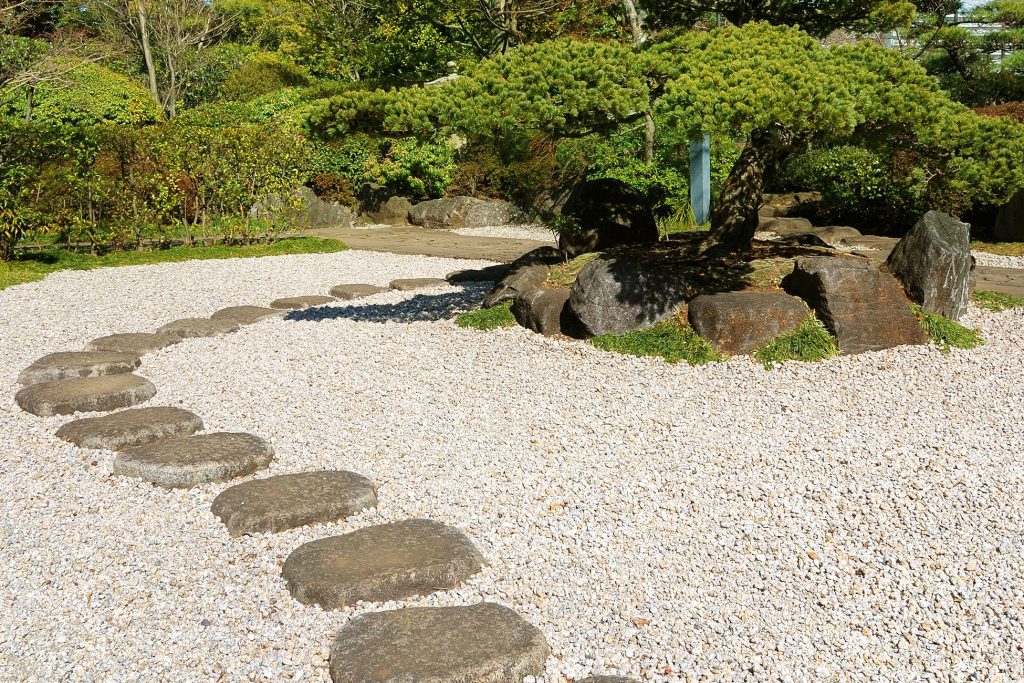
{"points": [[946, 333], [564, 274], [670, 339], [487, 318], [809, 342], [996, 301]]}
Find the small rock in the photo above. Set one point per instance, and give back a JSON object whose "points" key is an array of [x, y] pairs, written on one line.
{"points": [[130, 428], [193, 460], [379, 563], [482, 643], [77, 364], [288, 501], [87, 395]]}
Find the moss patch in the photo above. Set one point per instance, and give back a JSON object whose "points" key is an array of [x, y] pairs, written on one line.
{"points": [[488, 318], [768, 273], [947, 333], [37, 265], [996, 301], [809, 342], [1001, 248], [670, 339], [564, 274]]}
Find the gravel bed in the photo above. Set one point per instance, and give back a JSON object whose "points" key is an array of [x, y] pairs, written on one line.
{"points": [[984, 258], [858, 519], [535, 232]]}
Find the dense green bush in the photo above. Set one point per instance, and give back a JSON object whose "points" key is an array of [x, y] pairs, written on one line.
{"points": [[264, 74]]}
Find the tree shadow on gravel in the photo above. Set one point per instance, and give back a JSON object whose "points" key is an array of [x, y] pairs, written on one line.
{"points": [[419, 308]]}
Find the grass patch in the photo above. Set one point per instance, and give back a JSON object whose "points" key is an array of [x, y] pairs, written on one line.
{"points": [[996, 301], [1001, 248], [809, 342], [564, 274], [488, 318], [681, 221], [767, 273], [947, 333], [671, 339], [36, 265]]}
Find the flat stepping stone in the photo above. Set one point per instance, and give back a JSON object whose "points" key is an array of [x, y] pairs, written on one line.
{"points": [[130, 428], [288, 501], [297, 303], [608, 679], [409, 284], [350, 292], [245, 315], [87, 395], [190, 328], [77, 364], [380, 563], [193, 460], [485, 643], [139, 343]]}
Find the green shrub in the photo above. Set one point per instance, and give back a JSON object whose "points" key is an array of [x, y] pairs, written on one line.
{"points": [[266, 73], [670, 339], [946, 333], [809, 342], [996, 301], [412, 167], [487, 318]]}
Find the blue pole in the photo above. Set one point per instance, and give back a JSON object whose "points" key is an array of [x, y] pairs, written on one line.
{"points": [[700, 179]]}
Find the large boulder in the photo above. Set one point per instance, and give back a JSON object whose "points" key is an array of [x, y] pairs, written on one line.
{"points": [[739, 323], [620, 294], [1010, 219], [606, 213], [862, 306], [525, 274], [934, 262], [463, 212], [310, 211], [546, 311], [394, 211]]}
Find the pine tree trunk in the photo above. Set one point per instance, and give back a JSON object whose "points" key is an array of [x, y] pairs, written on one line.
{"points": [[734, 219]]}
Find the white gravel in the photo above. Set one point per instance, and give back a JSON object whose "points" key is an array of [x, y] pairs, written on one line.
{"points": [[539, 233], [998, 260], [858, 519]]}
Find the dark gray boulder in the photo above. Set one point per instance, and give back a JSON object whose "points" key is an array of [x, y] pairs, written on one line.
{"points": [[620, 294], [739, 323], [463, 212], [934, 262], [606, 213], [394, 211], [862, 306], [546, 311], [526, 273], [485, 274], [310, 212]]}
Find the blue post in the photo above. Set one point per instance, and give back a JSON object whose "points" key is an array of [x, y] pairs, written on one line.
{"points": [[700, 179]]}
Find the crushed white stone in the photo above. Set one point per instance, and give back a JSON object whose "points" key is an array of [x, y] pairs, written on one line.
{"points": [[857, 519], [983, 258], [532, 231]]}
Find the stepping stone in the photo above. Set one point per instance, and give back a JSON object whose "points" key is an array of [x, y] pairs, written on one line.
{"points": [[77, 364], [194, 460], [245, 315], [190, 328], [130, 428], [409, 284], [297, 303], [350, 292], [288, 501], [484, 643], [607, 679], [139, 343], [380, 563], [87, 395]]}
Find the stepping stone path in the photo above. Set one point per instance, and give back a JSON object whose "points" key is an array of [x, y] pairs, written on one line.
{"points": [[350, 292], [482, 643], [409, 284], [297, 303], [88, 395], [193, 460], [198, 327], [77, 364], [607, 679], [139, 343], [380, 563], [245, 315], [130, 428], [288, 501]]}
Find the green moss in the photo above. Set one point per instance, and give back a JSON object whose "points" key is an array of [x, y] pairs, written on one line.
{"points": [[671, 339], [996, 301], [488, 318], [947, 333], [564, 274], [37, 265], [809, 342]]}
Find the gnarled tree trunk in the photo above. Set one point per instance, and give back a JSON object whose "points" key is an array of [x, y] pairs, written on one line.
{"points": [[734, 217]]}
